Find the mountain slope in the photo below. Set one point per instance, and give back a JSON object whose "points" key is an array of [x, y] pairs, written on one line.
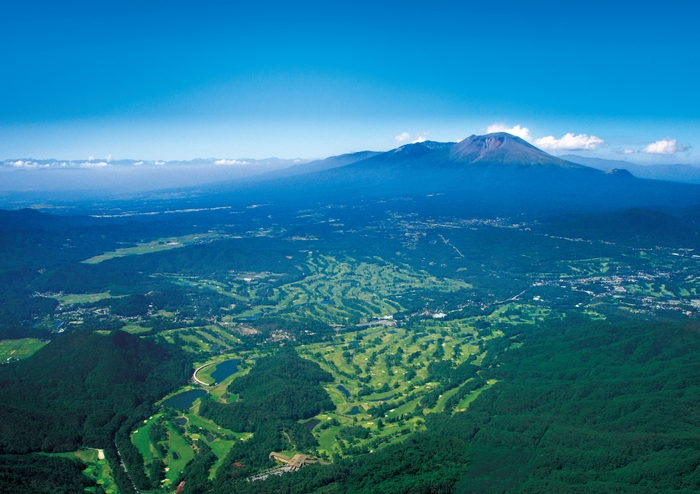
{"points": [[676, 173], [505, 149]]}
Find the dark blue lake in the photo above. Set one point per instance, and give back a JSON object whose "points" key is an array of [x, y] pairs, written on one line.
{"points": [[354, 410], [311, 424], [343, 390], [224, 370], [184, 401]]}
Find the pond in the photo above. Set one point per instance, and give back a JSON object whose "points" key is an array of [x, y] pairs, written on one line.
{"points": [[311, 424], [354, 410], [386, 398], [184, 401], [224, 370], [343, 390], [180, 421], [209, 436]]}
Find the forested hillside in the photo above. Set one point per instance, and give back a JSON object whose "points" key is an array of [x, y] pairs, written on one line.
{"points": [[76, 391]]}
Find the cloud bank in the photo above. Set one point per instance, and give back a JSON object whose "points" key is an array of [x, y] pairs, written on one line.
{"points": [[569, 142], [665, 146], [407, 137], [522, 132], [230, 162], [402, 137]]}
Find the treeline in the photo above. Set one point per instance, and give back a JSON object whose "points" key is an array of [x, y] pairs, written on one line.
{"points": [[39, 474]]}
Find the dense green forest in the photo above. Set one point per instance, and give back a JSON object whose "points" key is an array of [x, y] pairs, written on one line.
{"points": [[38, 474], [77, 390]]}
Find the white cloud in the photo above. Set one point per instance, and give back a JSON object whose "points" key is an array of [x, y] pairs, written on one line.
{"points": [[522, 132], [93, 164], [628, 151], [665, 146], [421, 138], [230, 162], [569, 142], [412, 138]]}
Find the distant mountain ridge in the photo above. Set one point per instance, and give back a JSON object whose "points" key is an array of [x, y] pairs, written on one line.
{"points": [[674, 173]]}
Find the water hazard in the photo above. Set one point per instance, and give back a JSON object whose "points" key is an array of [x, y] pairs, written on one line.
{"points": [[224, 370], [343, 390], [310, 424], [184, 401]]}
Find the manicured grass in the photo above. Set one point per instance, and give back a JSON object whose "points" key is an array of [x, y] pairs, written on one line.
{"points": [[464, 404], [158, 245], [220, 447], [184, 450], [82, 298], [140, 439], [135, 329], [18, 349]]}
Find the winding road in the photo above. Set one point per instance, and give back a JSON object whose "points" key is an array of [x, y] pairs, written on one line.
{"points": [[194, 374]]}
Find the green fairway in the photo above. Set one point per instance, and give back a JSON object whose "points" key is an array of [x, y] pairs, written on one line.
{"points": [[158, 245], [81, 298], [177, 444]]}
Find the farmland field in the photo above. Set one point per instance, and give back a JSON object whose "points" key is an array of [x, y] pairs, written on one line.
{"points": [[19, 349]]}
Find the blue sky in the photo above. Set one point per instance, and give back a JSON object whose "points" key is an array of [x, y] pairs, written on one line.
{"points": [[178, 80]]}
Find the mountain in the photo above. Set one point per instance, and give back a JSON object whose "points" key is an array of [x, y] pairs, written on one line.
{"points": [[675, 173], [504, 149], [494, 174], [317, 165]]}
